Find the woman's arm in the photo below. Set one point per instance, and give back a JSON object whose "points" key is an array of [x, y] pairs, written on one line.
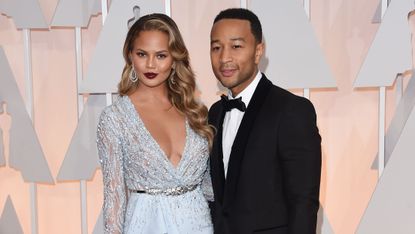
{"points": [[110, 154]]}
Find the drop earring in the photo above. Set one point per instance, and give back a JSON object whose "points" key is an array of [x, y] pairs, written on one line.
{"points": [[133, 75]]}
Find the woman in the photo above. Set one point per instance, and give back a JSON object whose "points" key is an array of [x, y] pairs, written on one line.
{"points": [[153, 142]]}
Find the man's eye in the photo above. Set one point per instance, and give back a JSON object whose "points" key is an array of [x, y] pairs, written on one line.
{"points": [[236, 46], [214, 48]]}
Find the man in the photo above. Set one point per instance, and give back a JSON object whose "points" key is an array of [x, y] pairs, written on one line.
{"points": [[266, 155]]}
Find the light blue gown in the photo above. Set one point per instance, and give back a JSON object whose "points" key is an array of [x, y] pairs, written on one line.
{"points": [[132, 160]]}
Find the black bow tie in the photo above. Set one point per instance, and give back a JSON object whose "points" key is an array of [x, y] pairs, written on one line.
{"points": [[233, 103]]}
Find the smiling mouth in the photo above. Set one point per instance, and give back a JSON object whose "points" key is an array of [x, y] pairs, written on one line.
{"points": [[150, 75], [227, 72]]}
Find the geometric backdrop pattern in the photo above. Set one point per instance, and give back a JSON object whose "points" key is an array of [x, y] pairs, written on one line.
{"points": [[403, 110], [100, 77], [9, 222], [391, 50], [291, 44], [323, 225], [25, 13], [392, 207], [99, 226], [26, 154], [81, 159], [75, 13]]}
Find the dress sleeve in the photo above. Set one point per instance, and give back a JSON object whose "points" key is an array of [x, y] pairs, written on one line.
{"points": [[110, 155], [207, 184]]}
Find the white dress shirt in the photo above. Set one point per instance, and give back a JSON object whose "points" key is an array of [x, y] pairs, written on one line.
{"points": [[233, 119]]}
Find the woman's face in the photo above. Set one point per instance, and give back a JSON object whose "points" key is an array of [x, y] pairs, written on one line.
{"points": [[151, 58]]}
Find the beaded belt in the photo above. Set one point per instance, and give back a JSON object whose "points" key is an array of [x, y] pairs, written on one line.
{"points": [[169, 191]]}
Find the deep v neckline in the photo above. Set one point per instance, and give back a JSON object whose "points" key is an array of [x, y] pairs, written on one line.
{"points": [[157, 145]]}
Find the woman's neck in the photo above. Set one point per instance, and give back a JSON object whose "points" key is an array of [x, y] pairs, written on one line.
{"points": [[151, 95]]}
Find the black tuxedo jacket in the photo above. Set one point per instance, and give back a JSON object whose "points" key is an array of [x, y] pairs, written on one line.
{"points": [[273, 177]]}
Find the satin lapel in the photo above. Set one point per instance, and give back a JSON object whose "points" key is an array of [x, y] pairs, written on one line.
{"points": [[217, 171], [241, 139]]}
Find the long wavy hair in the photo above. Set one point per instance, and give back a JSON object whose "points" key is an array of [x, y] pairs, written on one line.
{"points": [[181, 92]]}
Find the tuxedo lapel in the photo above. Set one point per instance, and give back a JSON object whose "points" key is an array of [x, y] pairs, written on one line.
{"points": [[241, 139], [217, 170]]}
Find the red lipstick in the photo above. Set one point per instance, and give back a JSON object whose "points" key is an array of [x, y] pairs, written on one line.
{"points": [[150, 75]]}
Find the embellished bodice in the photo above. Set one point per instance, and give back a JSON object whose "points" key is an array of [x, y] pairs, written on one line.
{"points": [[131, 159]]}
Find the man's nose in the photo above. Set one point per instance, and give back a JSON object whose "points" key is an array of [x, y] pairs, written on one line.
{"points": [[225, 56]]}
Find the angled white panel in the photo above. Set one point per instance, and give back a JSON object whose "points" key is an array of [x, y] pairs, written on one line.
{"points": [[293, 57], [9, 222], [81, 159], [107, 62], [406, 105], [99, 226], [94, 7], [2, 156], [25, 13], [323, 225], [26, 154], [377, 17], [75, 13], [391, 50], [392, 207]]}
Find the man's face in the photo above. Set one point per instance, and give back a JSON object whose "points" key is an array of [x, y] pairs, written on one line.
{"points": [[234, 53]]}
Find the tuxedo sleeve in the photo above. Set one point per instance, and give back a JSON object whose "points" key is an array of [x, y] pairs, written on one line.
{"points": [[299, 145]]}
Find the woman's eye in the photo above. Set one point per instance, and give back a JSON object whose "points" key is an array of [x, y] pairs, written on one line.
{"points": [[140, 54], [161, 56]]}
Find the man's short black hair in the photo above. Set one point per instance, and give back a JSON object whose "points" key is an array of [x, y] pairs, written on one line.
{"points": [[243, 14]]}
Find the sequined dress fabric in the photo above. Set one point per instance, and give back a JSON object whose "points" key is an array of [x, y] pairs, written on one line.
{"points": [[132, 160]]}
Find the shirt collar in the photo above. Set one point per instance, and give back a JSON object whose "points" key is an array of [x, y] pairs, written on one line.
{"points": [[247, 93]]}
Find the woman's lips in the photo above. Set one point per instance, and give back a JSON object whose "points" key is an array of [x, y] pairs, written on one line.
{"points": [[150, 75]]}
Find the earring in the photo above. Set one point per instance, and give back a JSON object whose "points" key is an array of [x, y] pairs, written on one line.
{"points": [[133, 75], [171, 78]]}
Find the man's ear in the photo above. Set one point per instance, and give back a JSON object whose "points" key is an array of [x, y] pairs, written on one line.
{"points": [[259, 51]]}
